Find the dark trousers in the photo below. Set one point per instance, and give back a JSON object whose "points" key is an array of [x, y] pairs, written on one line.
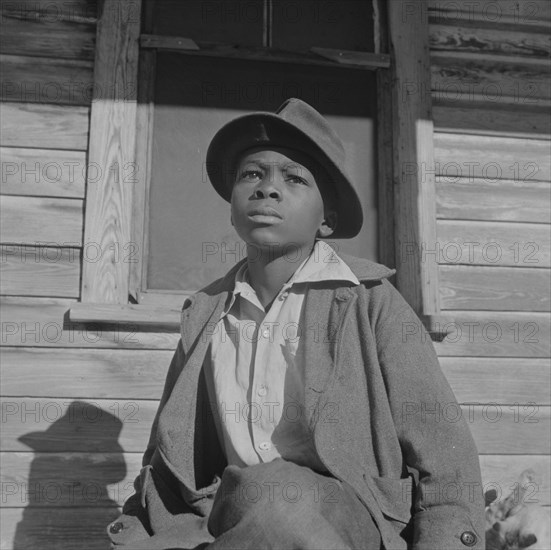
{"points": [[281, 505]]}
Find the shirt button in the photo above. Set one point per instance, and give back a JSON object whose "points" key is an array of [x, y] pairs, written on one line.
{"points": [[266, 333], [265, 446], [262, 391], [116, 528], [468, 538]]}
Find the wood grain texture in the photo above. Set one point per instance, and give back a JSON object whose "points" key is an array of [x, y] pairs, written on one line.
{"points": [[47, 33], [493, 244], [494, 288], [112, 147], [510, 14], [117, 426], [34, 220], [85, 373], [44, 126], [491, 158], [42, 322], [46, 80], [488, 40], [57, 528], [500, 201], [505, 381], [493, 334], [470, 76], [414, 204], [42, 172], [515, 120], [39, 271]]}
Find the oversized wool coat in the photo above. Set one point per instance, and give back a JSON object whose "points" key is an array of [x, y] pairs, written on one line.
{"points": [[378, 407]]}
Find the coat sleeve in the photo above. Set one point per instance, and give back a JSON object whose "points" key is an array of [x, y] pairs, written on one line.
{"points": [[448, 509], [133, 524]]}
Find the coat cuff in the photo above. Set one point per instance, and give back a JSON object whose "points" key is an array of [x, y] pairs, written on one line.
{"points": [[437, 529]]}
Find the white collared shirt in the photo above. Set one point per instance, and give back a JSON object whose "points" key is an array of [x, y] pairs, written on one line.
{"points": [[251, 371]]}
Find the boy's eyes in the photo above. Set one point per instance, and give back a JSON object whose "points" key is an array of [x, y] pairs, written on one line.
{"points": [[250, 175]]}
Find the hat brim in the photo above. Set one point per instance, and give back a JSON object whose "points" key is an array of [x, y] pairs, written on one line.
{"points": [[258, 129]]}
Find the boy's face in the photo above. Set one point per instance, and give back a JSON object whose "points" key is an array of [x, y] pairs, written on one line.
{"points": [[276, 200]]}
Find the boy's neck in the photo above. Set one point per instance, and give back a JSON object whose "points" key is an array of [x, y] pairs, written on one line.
{"points": [[270, 270]]}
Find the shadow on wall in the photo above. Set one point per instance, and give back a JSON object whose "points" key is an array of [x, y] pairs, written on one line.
{"points": [[68, 504]]}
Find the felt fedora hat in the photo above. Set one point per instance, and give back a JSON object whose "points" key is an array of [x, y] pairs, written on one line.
{"points": [[295, 125]]}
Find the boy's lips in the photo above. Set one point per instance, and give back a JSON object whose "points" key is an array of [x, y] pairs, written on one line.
{"points": [[264, 213]]}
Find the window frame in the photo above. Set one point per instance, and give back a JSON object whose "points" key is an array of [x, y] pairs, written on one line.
{"points": [[404, 140]]}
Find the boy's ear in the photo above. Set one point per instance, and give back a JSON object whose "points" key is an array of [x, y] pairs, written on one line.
{"points": [[328, 225]]}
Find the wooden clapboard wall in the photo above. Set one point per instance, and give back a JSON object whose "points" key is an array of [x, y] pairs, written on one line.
{"points": [[491, 98], [78, 400]]}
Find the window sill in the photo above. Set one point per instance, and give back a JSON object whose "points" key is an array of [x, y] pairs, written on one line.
{"points": [[141, 316]]}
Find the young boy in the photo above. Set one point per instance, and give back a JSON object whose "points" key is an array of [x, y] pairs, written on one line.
{"points": [[296, 413]]}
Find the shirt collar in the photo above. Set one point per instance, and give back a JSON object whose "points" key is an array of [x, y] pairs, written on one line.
{"points": [[323, 264]]}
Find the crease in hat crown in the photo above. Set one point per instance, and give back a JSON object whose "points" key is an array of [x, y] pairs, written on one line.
{"points": [[295, 125]]}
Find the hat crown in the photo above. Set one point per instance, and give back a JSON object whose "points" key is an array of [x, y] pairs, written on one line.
{"points": [[312, 123]]}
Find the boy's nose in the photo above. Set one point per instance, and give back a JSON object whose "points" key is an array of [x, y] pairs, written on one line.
{"points": [[268, 188]]}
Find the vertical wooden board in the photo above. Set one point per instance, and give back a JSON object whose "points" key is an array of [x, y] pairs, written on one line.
{"points": [[493, 334], [494, 288], [43, 323], [90, 374], [56, 529], [415, 211], [44, 126], [46, 35], [83, 480], [491, 158], [503, 380], [112, 147], [42, 172], [488, 40], [40, 271], [492, 244], [501, 201], [35, 221]]}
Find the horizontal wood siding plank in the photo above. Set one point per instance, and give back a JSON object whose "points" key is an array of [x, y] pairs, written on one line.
{"points": [[474, 75], [33, 220], [510, 14], [44, 126], [502, 201], [84, 373], [68, 479], [42, 322], [506, 381], [107, 426], [494, 288], [105, 479], [39, 271], [493, 334], [516, 120], [493, 243], [56, 529], [491, 158], [501, 472], [487, 40], [47, 34], [46, 80], [43, 172]]}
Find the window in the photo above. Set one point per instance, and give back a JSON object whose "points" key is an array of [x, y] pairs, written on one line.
{"points": [[202, 64]]}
